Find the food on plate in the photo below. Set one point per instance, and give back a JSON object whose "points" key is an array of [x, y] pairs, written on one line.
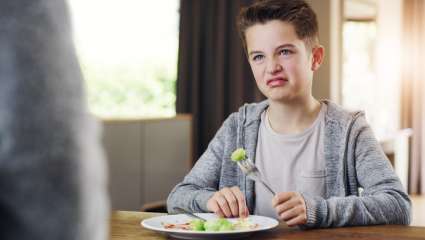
{"points": [[238, 155], [213, 225], [197, 225], [244, 224], [183, 226], [218, 225]]}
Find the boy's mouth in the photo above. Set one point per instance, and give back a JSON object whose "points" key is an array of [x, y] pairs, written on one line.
{"points": [[277, 81]]}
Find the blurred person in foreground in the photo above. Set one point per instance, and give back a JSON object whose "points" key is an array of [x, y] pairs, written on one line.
{"points": [[52, 172]]}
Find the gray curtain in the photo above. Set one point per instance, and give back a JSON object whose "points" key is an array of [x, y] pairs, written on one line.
{"points": [[214, 77]]}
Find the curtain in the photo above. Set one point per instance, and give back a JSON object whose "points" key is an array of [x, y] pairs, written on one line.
{"points": [[214, 77], [413, 86]]}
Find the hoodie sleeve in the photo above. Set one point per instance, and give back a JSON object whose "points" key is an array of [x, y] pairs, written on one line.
{"points": [[202, 181], [383, 200]]}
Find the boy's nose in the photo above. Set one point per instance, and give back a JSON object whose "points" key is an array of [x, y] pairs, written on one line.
{"points": [[273, 67]]}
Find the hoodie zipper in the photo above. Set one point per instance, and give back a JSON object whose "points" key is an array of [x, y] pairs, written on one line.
{"points": [[345, 163]]}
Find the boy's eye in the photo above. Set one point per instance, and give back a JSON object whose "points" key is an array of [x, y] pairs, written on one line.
{"points": [[257, 58], [285, 52]]}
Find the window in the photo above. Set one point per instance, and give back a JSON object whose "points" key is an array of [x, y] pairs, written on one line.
{"points": [[359, 68], [128, 54], [371, 66]]}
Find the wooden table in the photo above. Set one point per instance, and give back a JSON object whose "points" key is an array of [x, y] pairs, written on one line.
{"points": [[126, 226]]}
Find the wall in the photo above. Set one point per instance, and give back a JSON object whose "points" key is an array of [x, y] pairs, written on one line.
{"points": [[327, 80], [146, 158]]}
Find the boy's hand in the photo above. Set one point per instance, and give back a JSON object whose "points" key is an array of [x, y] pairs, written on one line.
{"points": [[228, 202], [290, 207]]}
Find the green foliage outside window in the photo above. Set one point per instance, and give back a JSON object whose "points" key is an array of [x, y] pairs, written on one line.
{"points": [[130, 90], [128, 55]]}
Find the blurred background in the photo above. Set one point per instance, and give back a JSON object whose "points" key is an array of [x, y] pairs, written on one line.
{"points": [[163, 75]]}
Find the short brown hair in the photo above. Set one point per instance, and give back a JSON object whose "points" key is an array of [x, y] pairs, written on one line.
{"points": [[296, 12]]}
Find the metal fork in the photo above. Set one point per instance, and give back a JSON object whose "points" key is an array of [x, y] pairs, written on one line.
{"points": [[252, 172], [189, 213]]}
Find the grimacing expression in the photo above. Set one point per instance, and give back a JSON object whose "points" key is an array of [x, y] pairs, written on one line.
{"points": [[281, 63]]}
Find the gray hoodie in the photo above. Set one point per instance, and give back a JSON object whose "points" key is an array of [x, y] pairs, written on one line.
{"points": [[354, 160]]}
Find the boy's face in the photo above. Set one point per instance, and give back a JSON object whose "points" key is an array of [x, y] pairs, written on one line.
{"points": [[281, 63]]}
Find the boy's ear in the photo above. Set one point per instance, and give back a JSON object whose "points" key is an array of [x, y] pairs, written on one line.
{"points": [[318, 54]]}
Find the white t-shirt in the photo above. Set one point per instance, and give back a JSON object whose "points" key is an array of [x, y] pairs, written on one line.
{"points": [[290, 162]]}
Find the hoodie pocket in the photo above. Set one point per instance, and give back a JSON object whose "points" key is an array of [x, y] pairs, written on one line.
{"points": [[313, 174], [312, 183]]}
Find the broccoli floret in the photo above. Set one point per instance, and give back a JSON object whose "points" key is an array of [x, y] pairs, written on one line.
{"points": [[215, 225], [225, 225], [238, 155], [197, 225], [212, 225]]}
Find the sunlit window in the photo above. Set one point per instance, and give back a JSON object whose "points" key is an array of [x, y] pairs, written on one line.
{"points": [[359, 71], [128, 53], [372, 63], [370, 79]]}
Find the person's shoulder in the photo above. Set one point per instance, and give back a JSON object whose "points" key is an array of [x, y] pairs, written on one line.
{"points": [[246, 114], [251, 111], [338, 114]]}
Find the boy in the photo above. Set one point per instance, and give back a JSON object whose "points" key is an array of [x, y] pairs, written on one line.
{"points": [[314, 155]]}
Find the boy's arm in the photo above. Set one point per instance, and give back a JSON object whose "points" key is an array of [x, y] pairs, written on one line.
{"points": [[202, 181], [383, 200]]}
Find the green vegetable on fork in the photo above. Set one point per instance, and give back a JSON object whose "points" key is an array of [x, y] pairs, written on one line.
{"points": [[238, 155]]}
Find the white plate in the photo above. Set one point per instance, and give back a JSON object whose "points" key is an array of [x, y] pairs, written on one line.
{"points": [[156, 224]]}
